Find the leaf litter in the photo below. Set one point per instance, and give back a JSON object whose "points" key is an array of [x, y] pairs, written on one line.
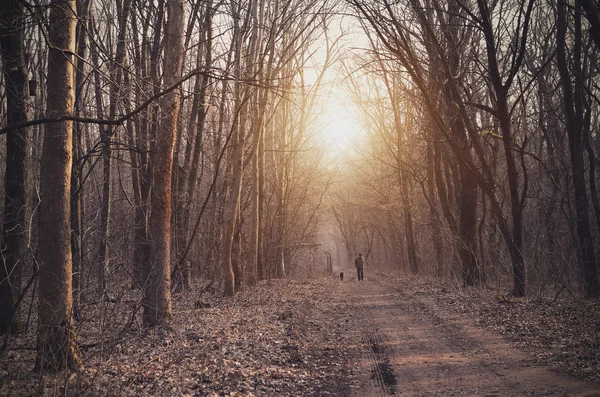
{"points": [[279, 338]]}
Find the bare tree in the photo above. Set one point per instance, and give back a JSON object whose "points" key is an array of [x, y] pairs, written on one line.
{"points": [[16, 188], [77, 197], [116, 78], [157, 291], [57, 343], [574, 119]]}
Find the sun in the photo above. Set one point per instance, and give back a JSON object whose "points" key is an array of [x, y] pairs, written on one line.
{"points": [[340, 123]]}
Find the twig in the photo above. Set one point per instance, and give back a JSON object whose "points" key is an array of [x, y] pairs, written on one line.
{"points": [[564, 286], [204, 204], [207, 286], [31, 306], [17, 303], [119, 338]]}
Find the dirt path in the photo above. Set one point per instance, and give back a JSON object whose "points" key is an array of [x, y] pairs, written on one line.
{"points": [[408, 347], [388, 335]]}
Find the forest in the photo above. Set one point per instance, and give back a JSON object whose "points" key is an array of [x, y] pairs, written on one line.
{"points": [[154, 148]]}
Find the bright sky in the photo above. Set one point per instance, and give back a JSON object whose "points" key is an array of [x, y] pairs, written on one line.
{"points": [[339, 122]]}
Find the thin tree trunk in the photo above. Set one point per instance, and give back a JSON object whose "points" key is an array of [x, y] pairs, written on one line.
{"points": [[237, 155], [280, 265], [255, 71], [402, 177], [468, 227], [260, 258], [195, 165], [434, 215], [83, 10], [115, 97]]}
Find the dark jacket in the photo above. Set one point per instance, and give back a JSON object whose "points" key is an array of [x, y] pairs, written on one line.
{"points": [[359, 262]]}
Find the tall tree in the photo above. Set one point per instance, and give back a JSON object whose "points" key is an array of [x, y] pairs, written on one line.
{"points": [[230, 265], [116, 78], [197, 123], [77, 202], [157, 290], [502, 113], [146, 59], [57, 343], [16, 190], [573, 91]]}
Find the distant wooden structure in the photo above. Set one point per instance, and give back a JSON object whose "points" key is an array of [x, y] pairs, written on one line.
{"points": [[329, 263]]}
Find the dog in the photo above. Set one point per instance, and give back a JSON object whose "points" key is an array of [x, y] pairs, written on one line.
{"points": [[342, 276]]}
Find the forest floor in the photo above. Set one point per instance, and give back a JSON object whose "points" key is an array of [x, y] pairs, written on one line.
{"points": [[388, 335]]}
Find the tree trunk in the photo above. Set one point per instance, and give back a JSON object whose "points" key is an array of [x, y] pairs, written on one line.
{"points": [[115, 94], [468, 227], [157, 292], [142, 138], [57, 343], [255, 71], [195, 165], [282, 161], [237, 164], [16, 190], [503, 115], [83, 10], [591, 12], [253, 275], [260, 259], [434, 215], [573, 104]]}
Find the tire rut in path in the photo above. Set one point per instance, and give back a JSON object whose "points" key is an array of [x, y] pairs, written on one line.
{"points": [[381, 371]]}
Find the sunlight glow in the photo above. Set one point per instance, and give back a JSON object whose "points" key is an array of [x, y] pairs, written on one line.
{"points": [[339, 121], [339, 118]]}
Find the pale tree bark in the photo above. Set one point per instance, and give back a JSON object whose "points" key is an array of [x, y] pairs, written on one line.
{"points": [[236, 162], [16, 191], [219, 195], [157, 290], [57, 343], [282, 159], [231, 267], [264, 73], [257, 129], [260, 254], [77, 203], [282, 164]]}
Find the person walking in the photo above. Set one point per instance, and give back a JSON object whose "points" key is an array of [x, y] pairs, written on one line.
{"points": [[359, 263]]}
